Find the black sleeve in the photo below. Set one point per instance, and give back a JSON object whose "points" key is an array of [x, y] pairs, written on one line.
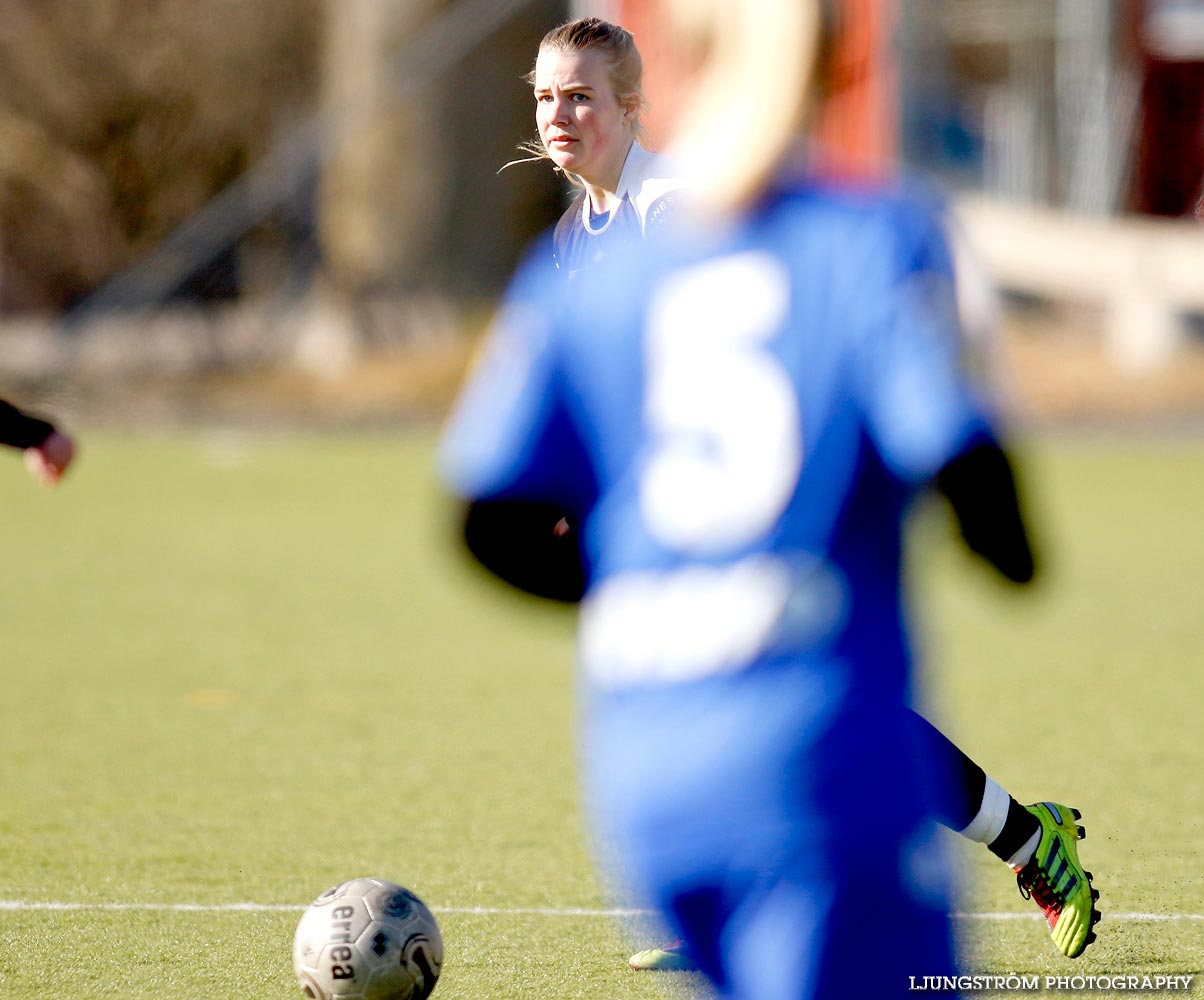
{"points": [[19, 430], [520, 543], [981, 487]]}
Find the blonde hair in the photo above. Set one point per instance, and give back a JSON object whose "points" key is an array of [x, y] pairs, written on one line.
{"points": [[626, 71], [728, 146]]}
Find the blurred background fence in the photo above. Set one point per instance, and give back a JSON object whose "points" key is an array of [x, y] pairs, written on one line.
{"points": [[298, 200]]}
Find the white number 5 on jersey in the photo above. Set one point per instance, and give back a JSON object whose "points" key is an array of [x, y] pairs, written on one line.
{"points": [[721, 411]]}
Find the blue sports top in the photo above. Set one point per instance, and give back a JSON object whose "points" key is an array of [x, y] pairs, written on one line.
{"points": [[740, 420], [646, 194]]}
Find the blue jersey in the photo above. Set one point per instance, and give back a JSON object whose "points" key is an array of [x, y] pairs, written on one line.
{"points": [[740, 424], [739, 420]]}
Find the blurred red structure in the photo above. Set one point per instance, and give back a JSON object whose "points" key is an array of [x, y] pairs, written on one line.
{"points": [[858, 123], [1168, 173]]}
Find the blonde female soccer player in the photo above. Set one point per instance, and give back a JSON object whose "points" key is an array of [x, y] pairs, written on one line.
{"points": [[677, 439], [589, 107]]}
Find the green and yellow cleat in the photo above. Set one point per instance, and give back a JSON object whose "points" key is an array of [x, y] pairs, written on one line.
{"points": [[1055, 880], [670, 958]]}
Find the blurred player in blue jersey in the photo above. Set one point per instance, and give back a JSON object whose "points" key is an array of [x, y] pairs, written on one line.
{"points": [[587, 82], [736, 413]]}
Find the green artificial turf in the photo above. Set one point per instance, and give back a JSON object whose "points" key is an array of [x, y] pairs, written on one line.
{"points": [[238, 669]]}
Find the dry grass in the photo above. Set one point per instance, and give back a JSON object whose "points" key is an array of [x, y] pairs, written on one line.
{"points": [[1059, 371], [402, 382], [1050, 371]]}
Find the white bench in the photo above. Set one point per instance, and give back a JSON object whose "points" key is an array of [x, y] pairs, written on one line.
{"points": [[1146, 272]]}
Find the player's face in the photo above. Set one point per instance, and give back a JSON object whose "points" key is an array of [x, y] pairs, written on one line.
{"points": [[584, 128]]}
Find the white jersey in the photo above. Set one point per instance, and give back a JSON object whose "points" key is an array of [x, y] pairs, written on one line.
{"points": [[646, 194]]}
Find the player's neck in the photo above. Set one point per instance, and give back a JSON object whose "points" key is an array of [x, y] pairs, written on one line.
{"points": [[602, 187]]}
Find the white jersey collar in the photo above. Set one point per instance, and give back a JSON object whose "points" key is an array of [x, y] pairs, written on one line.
{"points": [[632, 177]]}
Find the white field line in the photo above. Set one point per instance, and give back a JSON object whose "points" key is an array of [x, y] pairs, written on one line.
{"points": [[532, 911], [21, 905]]}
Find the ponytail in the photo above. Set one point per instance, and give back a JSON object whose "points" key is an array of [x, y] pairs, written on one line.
{"points": [[755, 64]]}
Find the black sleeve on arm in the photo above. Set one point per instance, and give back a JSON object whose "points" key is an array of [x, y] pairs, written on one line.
{"points": [[518, 542], [981, 487], [19, 430]]}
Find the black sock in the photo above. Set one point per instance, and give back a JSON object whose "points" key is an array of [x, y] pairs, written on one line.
{"points": [[1017, 830]]}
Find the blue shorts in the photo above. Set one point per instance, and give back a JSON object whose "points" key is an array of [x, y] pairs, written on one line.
{"points": [[778, 824]]}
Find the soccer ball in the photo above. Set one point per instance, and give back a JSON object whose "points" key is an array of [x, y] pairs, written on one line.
{"points": [[367, 939]]}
